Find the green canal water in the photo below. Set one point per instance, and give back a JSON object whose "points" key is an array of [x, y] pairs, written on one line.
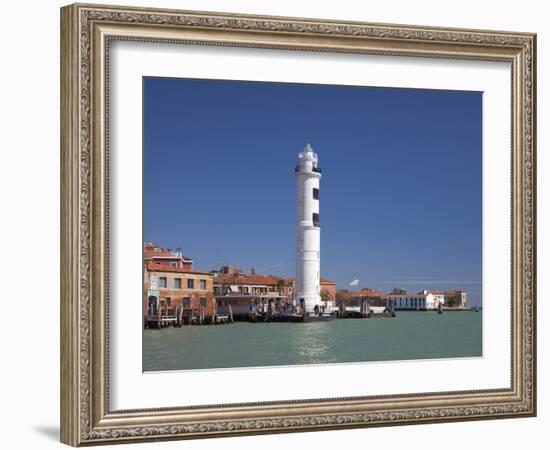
{"points": [[410, 335]]}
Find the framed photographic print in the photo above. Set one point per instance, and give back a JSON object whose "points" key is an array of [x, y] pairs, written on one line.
{"points": [[276, 224]]}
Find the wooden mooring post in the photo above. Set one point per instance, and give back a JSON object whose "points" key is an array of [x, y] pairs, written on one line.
{"points": [[179, 315], [365, 310], [230, 313]]}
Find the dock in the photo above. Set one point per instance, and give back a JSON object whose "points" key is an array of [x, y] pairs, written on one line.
{"points": [[365, 311], [185, 316]]}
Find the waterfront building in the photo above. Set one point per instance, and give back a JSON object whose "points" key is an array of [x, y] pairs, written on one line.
{"points": [[423, 301], [154, 254], [452, 299], [230, 270], [398, 291], [242, 294], [457, 298], [353, 302], [308, 233], [439, 295], [360, 303], [328, 292], [166, 289]]}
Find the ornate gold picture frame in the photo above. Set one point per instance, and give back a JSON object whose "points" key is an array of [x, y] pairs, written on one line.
{"points": [[87, 31]]}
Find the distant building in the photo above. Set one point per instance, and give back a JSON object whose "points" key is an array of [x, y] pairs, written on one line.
{"points": [[244, 294], [438, 295], [423, 301], [328, 291], [165, 257], [356, 302], [457, 298], [229, 270], [398, 291], [360, 302], [167, 288]]}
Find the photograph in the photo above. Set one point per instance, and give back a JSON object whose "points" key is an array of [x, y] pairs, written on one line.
{"points": [[291, 224], [287, 223]]}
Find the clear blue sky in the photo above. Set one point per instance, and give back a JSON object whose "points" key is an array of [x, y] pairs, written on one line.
{"points": [[401, 198]]}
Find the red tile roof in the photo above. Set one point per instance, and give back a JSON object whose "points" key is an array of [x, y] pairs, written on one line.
{"points": [[155, 267], [323, 280], [405, 295], [240, 279], [154, 251], [367, 292]]}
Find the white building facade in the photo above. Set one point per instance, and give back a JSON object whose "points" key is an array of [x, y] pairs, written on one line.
{"points": [[308, 233], [414, 302]]}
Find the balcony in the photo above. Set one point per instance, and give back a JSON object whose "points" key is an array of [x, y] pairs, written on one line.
{"points": [[315, 169]]}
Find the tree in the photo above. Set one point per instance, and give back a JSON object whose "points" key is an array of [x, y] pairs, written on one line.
{"points": [[325, 295], [452, 301]]}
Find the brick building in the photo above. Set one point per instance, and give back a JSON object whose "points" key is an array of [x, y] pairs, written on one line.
{"points": [[328, 290], [359, 303], [167, 288], [245, 294], [165, 257]]}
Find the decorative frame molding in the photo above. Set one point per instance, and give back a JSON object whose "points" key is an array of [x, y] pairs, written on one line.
{"points": [[86, 31]]}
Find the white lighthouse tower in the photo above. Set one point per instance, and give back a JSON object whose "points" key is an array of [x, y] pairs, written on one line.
{"points": [[308, 234]]}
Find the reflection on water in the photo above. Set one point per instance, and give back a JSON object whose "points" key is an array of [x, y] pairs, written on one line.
{"points": [[410, 335], [311, 342]]}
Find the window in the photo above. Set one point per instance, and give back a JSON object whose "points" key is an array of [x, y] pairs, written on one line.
{"points": [[315, 219], [190, 283], [203, 285], [203, 301], [316, 193], [177, 283], [173, 265], [168, 301], [162, 282], [186, 302]]}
